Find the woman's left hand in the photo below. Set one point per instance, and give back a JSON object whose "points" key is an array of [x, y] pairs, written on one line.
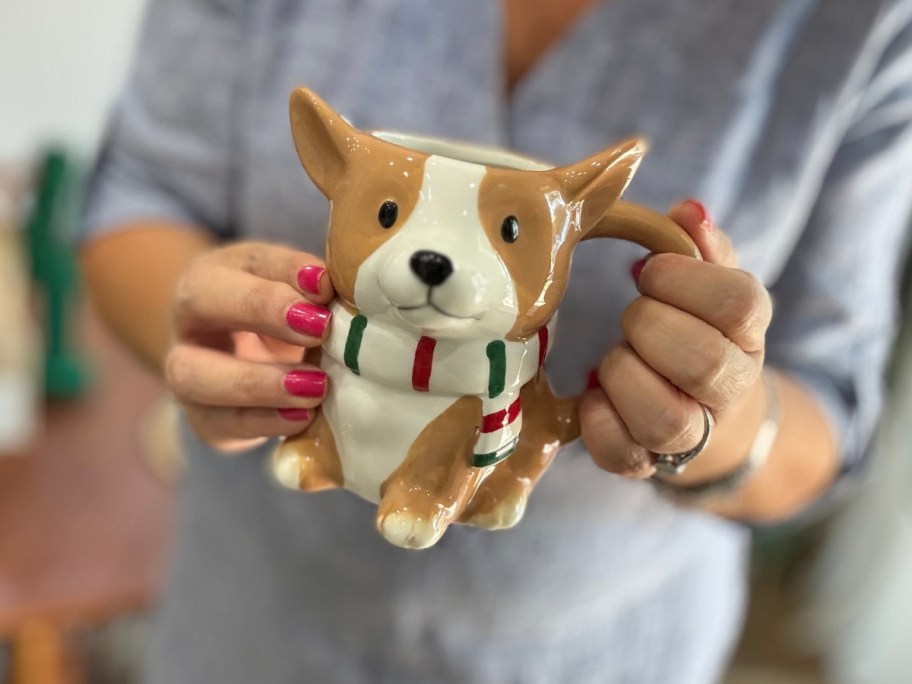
{"points": [[695, 335]]}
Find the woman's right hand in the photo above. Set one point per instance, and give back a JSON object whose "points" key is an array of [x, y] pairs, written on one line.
{"points": [[243, 316]]}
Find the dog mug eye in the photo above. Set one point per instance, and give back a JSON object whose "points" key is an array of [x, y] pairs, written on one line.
{"points": [[509, 229], [389, 211]]}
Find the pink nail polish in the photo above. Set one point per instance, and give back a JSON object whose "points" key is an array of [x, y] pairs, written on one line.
{"points": [[592, 382], [309, 278], [309, 319], [705, 220], [295, 414], [304, 383], [637, 268]]}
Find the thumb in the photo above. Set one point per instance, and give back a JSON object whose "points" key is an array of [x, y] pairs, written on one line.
{"points": [[714, 245]]}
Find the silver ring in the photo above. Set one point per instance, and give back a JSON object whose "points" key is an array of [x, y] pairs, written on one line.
{"points": [[674, 464]]}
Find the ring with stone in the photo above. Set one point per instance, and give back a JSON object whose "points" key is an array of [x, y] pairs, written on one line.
{"points": [[674, 464]]}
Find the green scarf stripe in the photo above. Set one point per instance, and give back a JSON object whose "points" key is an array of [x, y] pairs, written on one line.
{"points": [[497, 356], [484, 460], [353, 343]]}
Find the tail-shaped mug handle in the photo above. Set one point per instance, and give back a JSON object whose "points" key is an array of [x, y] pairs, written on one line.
{"points": [[647, 228]]}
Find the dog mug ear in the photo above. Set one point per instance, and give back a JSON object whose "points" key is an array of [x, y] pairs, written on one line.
{"points": [[323, 139], [599, 181]]}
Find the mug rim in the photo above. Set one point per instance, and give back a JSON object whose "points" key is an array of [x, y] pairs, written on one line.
{"points": [[465, 152]]}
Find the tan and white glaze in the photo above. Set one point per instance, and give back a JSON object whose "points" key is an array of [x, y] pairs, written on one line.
{"points": [[441, 323]]}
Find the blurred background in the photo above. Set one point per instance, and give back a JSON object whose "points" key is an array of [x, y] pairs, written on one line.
{"points": [[90, 474]]}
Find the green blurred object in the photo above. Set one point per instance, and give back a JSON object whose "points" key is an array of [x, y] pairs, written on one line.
{"points": [[56, 211]]}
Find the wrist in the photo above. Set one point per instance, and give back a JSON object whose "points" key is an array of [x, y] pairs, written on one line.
{"points": [[133, 298]]}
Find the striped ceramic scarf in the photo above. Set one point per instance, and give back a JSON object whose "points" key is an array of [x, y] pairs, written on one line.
{"points": [[493, 370]]}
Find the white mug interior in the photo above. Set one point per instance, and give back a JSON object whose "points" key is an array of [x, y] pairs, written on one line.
{"points": [[470, 153]]}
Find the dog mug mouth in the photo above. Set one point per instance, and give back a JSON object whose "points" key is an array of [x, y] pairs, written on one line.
{"points": [[431, 293]]}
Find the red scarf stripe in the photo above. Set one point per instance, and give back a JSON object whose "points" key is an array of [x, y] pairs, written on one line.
{"points": [[499, 420], [423, 363], [542, 344]]}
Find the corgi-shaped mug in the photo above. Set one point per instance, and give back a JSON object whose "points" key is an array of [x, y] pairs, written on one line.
{"points": [[448, 261]]}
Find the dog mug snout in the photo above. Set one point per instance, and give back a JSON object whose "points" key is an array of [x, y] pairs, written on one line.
{"points": [[432, 268]]}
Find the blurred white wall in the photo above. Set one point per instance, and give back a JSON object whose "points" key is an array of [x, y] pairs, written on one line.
{"points": [[61, 63], [860, 590]]}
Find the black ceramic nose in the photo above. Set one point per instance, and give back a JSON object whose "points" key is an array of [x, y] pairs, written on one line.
{"points": [[430, 267]]}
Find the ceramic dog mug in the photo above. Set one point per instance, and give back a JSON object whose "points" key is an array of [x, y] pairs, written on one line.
{"points": [[449, 261]]}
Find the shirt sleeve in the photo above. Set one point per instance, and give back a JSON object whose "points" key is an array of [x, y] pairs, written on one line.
{"points": [[836, 313], [168, 148]]}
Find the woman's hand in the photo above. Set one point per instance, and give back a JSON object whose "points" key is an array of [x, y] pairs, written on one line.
{"points": [[694, 336], [243, 316]]}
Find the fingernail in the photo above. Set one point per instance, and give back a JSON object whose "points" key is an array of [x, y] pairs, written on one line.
{"points": [[705, 220], [296, 414], [637, 269], [302, 383], [309, 278], [309, 319], [592, 381]]}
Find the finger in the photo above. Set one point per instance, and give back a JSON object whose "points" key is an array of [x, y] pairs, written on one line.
{"points": [[218, 425], [217, 298], [208, 377], [714, 245], [301, 270], [265, 349], [732, 301], [692, 355], [608, 441], [656, 414]]}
